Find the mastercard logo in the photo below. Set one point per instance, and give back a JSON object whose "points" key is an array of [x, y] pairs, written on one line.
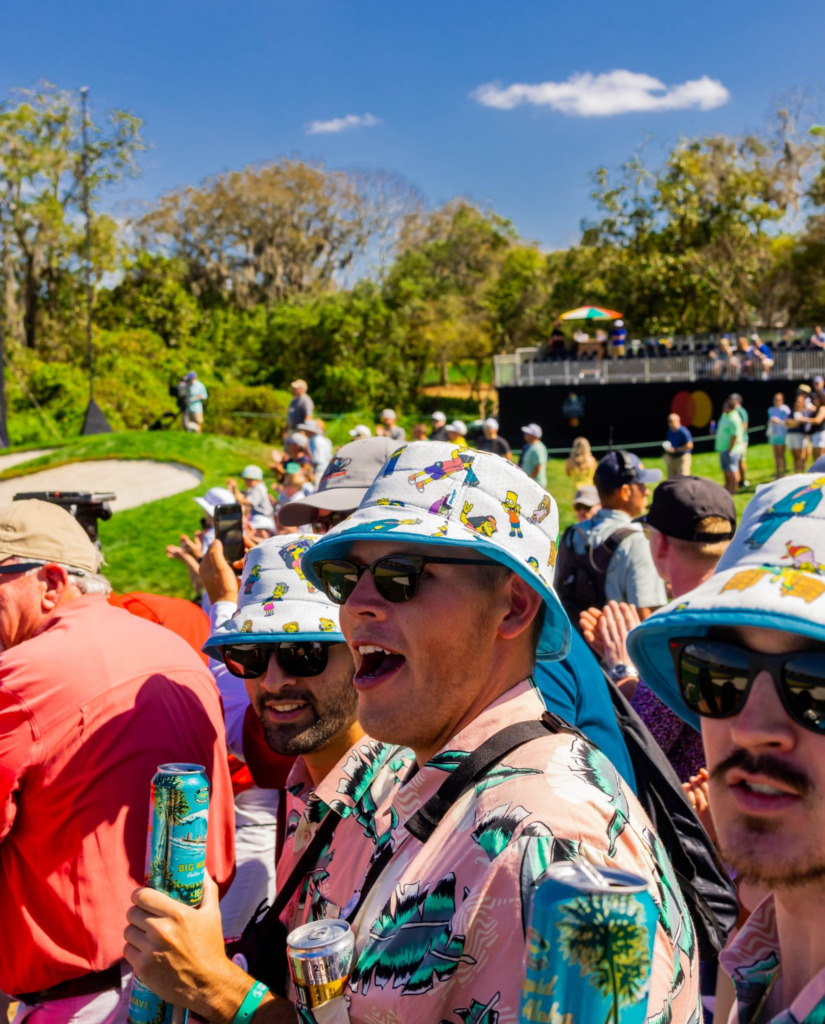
{"points": [[694, 408]]}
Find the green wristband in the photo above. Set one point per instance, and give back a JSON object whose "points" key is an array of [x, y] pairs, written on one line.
{"points": [[251, 1002]]}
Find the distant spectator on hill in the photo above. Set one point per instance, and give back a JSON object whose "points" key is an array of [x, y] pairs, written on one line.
{"points": [[294, 488], [255, 493], [742, 413], [296, 449], [301, 408], [762, 358], [439, 431], [388, 427], [618, 339], [457, 433], [678, 448], [558, 342], [586, 502], [492, 442], [534, 454], [580, 464], [359, 432], [320, 446], [817, 339], [796, 438], [420, 432], [191, 396], [727, 442], [777, 433]]}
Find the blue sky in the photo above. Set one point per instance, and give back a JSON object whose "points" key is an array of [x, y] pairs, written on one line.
{"points": [[223, 83]]}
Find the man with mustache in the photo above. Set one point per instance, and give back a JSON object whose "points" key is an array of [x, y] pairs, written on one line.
{"points": [[744, 655], [285, 642]]}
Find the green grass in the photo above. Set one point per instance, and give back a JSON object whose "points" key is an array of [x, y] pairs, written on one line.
{"points": [[134, 540], [760, 471]]}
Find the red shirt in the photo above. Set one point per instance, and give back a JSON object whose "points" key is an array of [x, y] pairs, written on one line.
{"points": [[89, 707]]}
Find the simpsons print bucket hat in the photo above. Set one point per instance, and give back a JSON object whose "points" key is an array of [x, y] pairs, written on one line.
{"points": [[770, 577], [433, 492], [276, 601]]}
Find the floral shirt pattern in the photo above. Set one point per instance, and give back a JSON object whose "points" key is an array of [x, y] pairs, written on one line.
{"points": [[440, 937], [753, 961]]}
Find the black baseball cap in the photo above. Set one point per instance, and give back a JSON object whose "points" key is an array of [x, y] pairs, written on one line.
{"points": [[680, 503], [621, 467]]}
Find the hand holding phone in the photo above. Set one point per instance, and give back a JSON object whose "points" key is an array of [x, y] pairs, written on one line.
{"points": [[229, 530]]}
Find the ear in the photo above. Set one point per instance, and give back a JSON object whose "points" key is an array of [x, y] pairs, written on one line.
{"points": [[524, 603], [626, 492], [55, 581]]}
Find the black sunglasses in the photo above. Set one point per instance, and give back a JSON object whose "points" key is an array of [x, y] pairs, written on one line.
{"points": [[297, 658], [14, 567], [715, 678], [396, 576]]}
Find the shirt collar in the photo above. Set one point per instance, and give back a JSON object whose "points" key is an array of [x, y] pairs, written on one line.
{"points": [[753, 960], [613, 513]]}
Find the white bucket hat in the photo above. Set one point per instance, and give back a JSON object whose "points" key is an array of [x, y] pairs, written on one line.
{"points": [[770, 577], [276, 601], [215, 496], [436, 493]]}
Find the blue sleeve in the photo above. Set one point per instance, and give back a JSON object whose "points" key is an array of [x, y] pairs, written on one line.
{"points": [[575, 689]]}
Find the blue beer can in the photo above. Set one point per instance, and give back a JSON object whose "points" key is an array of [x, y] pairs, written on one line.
{"points": [[175, 862], [589, 951]]}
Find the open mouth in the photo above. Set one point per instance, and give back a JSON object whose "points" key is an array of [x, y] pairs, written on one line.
{"points": [[377, 663], [761, 795], [285, 711]]}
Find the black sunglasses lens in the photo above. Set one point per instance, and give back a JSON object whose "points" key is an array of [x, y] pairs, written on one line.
{"points": [[338, 578], [713, 677], [303, 659], [396, 578], [804, 679], [246, 661]]}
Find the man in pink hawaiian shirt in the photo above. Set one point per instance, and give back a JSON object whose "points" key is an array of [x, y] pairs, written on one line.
{"points": [[744, 654], [446, 623]]}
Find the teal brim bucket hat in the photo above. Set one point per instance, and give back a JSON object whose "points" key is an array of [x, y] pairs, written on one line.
{"points": [[433, 492], [276, 601], [769, 577]]}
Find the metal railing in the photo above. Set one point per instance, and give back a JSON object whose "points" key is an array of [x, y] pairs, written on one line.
{"points": [[523, 368]]}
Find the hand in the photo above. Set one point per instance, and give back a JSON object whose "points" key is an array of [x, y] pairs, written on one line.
{"points": [[218, 576], [588, 621], [617, 620], [193, 547], [696, 789], [178, 952]]}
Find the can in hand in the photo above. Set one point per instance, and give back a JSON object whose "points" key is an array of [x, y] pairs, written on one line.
{"points": [[589, 951], [175, 862], [320, 956]]}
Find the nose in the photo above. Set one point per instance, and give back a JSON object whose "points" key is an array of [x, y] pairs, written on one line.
{"points": [[364, 602], [763, 723], [275, 678]]}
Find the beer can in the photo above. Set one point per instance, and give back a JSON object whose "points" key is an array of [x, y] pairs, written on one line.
{"points": [[320, 956], [175, 862], [589, 952]]}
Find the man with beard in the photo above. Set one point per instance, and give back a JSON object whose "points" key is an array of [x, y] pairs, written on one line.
{"points": [[285, 642], [744, 655]]}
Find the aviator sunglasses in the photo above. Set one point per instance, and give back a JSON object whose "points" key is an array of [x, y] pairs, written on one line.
{"points": [[396, 576], [715, 678], [297, 658]]}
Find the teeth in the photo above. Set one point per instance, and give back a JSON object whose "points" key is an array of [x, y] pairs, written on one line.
{"points": [[372, 649], [285, 707], [761, 787]]}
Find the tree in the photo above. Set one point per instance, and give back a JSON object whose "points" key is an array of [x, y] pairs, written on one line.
{"points": [[41, 191], [275, 231]]}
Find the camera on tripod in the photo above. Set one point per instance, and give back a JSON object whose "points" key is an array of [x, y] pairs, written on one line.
{"points": [[85, 506]]}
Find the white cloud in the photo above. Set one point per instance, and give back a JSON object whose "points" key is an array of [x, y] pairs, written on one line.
{"points": [[615, 92], [342, 124]]}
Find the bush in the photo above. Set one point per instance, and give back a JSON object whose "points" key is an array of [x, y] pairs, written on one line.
{"points": [[267, 405]]}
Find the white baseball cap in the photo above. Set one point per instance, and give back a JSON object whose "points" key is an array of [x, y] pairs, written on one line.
{"points": [[360, 431], [458, 427], [533, 429]]}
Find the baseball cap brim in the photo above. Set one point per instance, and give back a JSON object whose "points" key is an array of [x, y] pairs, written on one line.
{"points": [[372, 522], [336, 499], [649, 476]]}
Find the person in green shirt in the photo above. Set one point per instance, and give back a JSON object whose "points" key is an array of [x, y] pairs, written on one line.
{"points": [[728, 443], [534, 455]]}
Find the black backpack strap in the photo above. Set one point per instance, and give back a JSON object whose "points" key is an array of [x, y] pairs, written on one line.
{"points": [[426, 819], [600, 555]]}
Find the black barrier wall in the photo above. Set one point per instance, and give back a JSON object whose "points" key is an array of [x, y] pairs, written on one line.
{"points": [[635, 412]]}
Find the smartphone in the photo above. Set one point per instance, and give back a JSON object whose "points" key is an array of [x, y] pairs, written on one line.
{"points": [[229, 530]]}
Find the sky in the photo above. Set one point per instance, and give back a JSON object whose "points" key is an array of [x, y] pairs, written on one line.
{"points": [[510, 103]]}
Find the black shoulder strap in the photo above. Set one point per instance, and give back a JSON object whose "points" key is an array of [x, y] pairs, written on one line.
{"points": [[426, 819], [600, 555]]}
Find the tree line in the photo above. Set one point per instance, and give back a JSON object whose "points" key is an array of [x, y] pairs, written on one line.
{"points": [[349, 279]]}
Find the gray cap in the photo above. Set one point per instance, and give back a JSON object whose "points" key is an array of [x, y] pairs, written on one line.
{"points": [[457, 427], [345, 481], [587, 495], [299, 439], [491, 423]]}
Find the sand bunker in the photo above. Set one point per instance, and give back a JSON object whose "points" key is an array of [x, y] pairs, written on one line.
{"points": [[134, 481]]}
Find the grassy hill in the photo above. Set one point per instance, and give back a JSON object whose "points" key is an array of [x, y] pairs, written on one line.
{"points": [[134, 540]]}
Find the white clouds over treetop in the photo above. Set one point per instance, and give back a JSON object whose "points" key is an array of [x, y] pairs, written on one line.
{"points": [[342, 124], [614, 92]]}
